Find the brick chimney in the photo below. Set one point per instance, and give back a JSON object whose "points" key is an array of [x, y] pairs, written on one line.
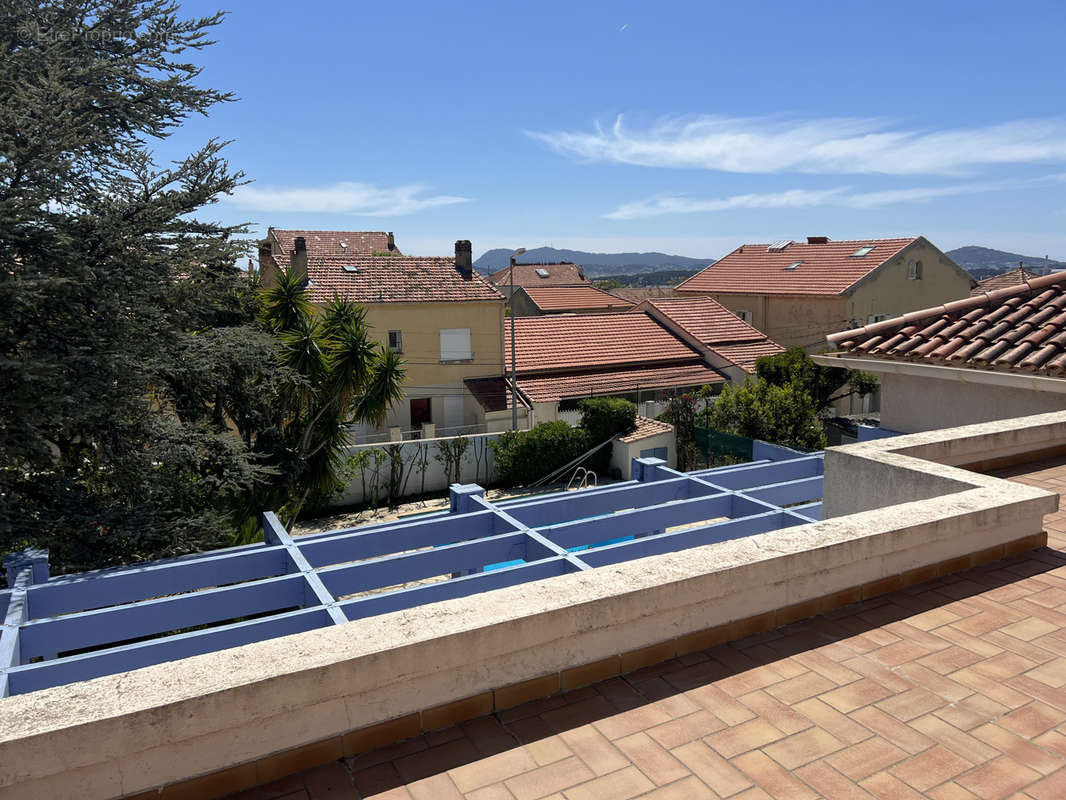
{"points": [[298, 260], [392, 242], [464, 258], [817, 240]]}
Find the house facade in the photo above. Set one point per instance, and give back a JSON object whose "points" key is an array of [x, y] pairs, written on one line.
{"points": [[993, 356], [444, 319], [797, 293]]}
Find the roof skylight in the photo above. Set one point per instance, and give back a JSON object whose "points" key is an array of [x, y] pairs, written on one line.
{"points": [[350, 268], [862, 251], [793, 265], [543, 273]]}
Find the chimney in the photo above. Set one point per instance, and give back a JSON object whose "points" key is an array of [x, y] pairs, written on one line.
{"points": [[298, 262], [464, 258], [817, 240], [392, 242]]}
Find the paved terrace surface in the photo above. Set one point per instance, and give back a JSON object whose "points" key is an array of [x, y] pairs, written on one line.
{"points": [[955, 688]]}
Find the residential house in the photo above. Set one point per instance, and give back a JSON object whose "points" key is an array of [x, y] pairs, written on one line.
{"points": [[562, 273], [1014, 277], [992, 356], [656, 349], [444, 318], [532, 301], [799, 292]]}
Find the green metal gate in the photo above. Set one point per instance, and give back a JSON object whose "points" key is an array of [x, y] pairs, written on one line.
{"points": [[722, 448]]}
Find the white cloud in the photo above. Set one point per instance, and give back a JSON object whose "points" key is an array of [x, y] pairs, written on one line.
{"points": [[341, 198], [832, 145], [841, 196]]}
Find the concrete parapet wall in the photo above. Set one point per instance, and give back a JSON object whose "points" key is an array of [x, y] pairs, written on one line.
{"points": [[231, 710]]}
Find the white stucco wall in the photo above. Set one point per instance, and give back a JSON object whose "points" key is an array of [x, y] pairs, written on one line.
{"points": [[910, 403]]}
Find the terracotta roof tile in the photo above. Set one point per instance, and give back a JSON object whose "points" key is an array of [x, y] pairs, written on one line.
{"points": [[573, 298], [1008, 279], [1018, 329], [552, 388], [563, 273], [824, 269], [745, 353], [328, 243], [394, 279], [646, 427], [587, 341]]}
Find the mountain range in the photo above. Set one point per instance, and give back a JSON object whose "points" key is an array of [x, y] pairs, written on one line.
{"points": [[982, 262], [595, 264]]}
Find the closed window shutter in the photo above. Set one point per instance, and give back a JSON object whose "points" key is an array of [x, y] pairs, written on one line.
{"points": [[455, 344]]}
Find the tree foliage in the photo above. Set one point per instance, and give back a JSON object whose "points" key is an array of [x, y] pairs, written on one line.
{"points": [[525, 456], [114, 293], [824, 385], [762, 410], [603, 418]]}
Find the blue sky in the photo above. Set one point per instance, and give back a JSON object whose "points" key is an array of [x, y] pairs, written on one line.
{"points": [[682, 127]]}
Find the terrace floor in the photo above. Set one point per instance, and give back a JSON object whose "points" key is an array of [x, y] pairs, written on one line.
{"points": [[955, 688]]}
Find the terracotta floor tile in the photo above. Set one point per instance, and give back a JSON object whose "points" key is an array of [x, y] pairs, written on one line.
{"points": [[845, 728], [864, 759], [1053, 673], [949, 660], [932, 767], [685, 729], [781, 716], [1005, 665], [434, 787], [722, 777], [998, 778], [496, 791], [801, 687], [620, 785], [494, 769], [954, 739], [1052, 787], [1054, 742], [830, 784], [594, 749], [885, 786], [772, 777], [436, 759], [726, 708], [972, 711], [1029, 629], [690, 788], [1037, 754], [651, 758], [631, 721], [551, 778], [1032, 720], [910, 704], [803, 748], [952, 791]]}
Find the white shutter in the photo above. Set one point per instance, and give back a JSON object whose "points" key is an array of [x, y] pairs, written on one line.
{"points": [[453, 412], [455, 344]]}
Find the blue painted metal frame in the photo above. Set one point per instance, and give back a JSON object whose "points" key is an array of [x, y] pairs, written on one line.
{"points": [[70, 628]]}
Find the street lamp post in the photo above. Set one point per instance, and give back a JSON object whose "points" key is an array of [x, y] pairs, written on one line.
{"points": [[514, 386]]}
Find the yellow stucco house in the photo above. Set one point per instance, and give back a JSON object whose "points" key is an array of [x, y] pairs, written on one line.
{"points": [[799, 292], [437, 312]]}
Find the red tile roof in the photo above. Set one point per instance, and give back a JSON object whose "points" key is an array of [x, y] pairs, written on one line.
{"points": [[573, 298], [637, 294], [587, 341], [394, 279], [563, 273], [824, 268], [1020, 329], [719, 328], [570, 385], [646, 428], [328, 243], [708, 320], [1015, 277]]}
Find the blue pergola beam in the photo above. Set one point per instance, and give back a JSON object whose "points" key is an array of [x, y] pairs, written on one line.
{"points": [[372, 605], [809, 511], [145, 581], [161, 615], [788, 492], [315, 591], [766, 474], [538, 513], [397, 538], [84, 666], [637, 521], [365, 576], [686, 539]]}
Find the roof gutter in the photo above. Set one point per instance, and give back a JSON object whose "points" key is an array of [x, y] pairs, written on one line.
{"points": [[1010, 380]]}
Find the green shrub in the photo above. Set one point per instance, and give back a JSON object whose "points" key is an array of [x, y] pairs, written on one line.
{"points": [[604, 417], [525, 456]]}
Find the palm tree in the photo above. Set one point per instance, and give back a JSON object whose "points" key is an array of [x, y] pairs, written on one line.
{"points": [[339, 376]]}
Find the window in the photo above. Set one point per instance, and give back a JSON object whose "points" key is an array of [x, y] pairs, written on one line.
{"points": [[914, 271], [744, 315], [793, 265], [455, 344], [396, 341], [542, 273], [862, 251]]}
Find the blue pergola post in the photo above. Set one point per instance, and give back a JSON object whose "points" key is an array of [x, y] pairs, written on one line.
{"points": [[648, 470], [23, 570], [31, 557]]}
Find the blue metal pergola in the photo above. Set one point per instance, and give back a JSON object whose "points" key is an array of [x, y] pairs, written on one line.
{"points": [[63, 629]]}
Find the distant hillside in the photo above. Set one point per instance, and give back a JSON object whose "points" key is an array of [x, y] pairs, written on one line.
{"points": [[662, 277], [984, 262], [595, 264]]}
